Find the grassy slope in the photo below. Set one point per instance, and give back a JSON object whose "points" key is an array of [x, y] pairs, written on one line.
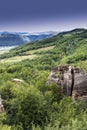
{"points": [[28, 55]]}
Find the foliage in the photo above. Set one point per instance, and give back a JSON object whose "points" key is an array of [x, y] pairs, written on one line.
{"points": [[32, 104]]}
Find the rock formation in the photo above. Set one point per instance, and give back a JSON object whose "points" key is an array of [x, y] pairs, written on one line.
{"points": [[73, 81]]}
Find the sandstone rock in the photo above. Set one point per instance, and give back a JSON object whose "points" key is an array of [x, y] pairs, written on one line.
{"points": [[80, 83], [73, 81]]}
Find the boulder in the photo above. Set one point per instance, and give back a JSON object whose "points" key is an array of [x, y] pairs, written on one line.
{"points": [[17, 80]]}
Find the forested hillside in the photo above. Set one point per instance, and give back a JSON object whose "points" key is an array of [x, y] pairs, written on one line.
{"points": [[32, 104]]}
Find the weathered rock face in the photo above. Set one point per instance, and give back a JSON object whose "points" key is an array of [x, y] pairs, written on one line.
{"points": [[73, 81], [80, 84]]}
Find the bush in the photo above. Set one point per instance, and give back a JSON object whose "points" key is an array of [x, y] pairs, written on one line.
{"points": [[27, 109]]}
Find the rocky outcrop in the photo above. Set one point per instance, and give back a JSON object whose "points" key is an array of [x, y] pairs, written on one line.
{"points": [[73, 81], [80, 84]]}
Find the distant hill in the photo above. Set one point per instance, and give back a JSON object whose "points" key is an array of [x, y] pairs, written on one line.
{"points": [[16, 39]]}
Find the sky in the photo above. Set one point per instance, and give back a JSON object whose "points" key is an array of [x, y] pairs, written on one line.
{"points": [[42, 15]]}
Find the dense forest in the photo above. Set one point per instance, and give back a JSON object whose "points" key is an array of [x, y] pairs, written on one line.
{"points": [[32, 104]]}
